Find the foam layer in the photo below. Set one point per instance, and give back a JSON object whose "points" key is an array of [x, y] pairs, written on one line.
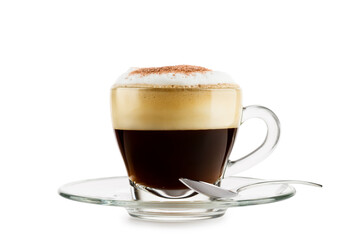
{"points": [[175, 108], [172, 76]]}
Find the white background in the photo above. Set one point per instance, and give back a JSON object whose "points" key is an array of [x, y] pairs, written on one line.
{"points": [[58, 60]]}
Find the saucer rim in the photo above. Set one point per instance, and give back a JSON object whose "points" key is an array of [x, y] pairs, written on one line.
{"points": [[207, 204]]}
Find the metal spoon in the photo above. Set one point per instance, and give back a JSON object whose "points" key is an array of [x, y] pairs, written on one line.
{"points": [[218, 192]]}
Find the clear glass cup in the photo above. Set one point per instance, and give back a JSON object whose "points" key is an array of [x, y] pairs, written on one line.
{"points": [[167, 133]]}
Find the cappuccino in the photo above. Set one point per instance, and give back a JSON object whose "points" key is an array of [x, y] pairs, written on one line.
{"points": [[175, 122]]}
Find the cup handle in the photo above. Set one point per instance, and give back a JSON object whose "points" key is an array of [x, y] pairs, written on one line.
{"points": [[270, 142]]}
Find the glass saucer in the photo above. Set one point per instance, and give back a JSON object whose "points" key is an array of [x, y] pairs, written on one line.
{"points": [[115, 191]]}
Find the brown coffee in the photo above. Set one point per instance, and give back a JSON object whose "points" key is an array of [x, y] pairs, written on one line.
{"points": [[157, 159]]}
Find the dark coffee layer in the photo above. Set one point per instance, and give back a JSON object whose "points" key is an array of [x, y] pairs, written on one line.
{"points": [[158, 159]]}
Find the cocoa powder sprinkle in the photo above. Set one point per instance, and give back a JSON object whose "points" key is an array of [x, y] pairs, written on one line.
{"points": [[183, 69]]}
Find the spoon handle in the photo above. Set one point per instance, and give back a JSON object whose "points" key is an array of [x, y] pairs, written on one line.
{"points": [[278, 181]]}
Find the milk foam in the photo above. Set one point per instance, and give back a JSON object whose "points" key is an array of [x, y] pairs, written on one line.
{"points": [[181, 97], [180, 79], [175, 109]]}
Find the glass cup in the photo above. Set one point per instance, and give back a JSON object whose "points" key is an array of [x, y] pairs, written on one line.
{"points": [[167, 133]]}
